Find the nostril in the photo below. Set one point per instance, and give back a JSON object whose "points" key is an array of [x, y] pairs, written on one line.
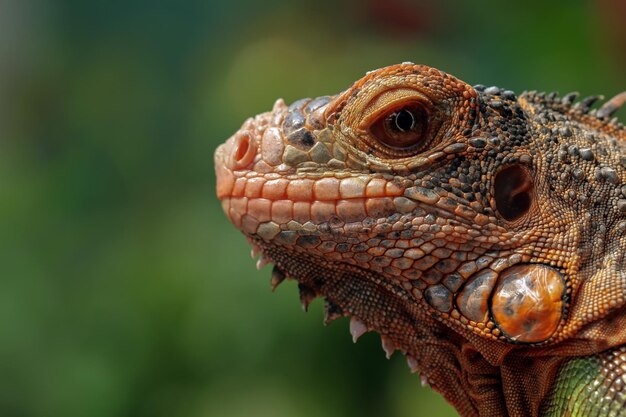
{"points": [[243, 150]]}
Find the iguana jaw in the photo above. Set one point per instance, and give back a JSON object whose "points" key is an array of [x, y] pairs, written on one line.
{"points": [[349, 291]]}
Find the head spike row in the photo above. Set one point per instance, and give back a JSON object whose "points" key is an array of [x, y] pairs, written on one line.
{"points": [[569, 98], [278, 276], [332, 311], [585, 104], [307, 295], [610, 107]]}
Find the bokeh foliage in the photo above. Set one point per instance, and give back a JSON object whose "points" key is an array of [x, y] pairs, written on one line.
{"points": [[123, 289]]}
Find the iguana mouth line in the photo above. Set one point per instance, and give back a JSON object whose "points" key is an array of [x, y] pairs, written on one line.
{"points": [[254, 216]]}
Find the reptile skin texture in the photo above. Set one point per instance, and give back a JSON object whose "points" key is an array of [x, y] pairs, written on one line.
{"points": [[480, 233]]}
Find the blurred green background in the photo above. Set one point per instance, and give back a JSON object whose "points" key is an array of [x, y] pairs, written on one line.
{"points": [[124, 291]]}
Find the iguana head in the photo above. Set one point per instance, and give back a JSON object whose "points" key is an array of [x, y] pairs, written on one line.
{"points": [[478, 232]]}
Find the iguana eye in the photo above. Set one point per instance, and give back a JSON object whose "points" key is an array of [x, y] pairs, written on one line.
{"points": [[402, 128]]}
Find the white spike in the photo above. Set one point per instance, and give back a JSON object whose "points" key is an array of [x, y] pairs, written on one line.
{"points": [[357, 328], [279, 104], [412, 362], [261, 262], [388, 346], [254, 252], [424, 381]]}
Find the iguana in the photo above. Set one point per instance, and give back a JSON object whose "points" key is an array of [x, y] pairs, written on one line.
{"points": [[480, 233]]}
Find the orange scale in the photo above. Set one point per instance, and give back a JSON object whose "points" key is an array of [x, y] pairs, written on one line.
{"points": [[353, 187], [300, 190], [254, 186], [282, 211], [239, 187], [275, 189], [379, 207], [375, 188], [393, 190], [301, 211], [260, 208], [322, 211], [351, 210], [326, 189]]}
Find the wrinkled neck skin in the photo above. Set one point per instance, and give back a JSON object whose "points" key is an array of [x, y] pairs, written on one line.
{"points": [[487, 250]]}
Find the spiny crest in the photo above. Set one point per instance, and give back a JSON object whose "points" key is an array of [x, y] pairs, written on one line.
{"points": [[584, 109]]}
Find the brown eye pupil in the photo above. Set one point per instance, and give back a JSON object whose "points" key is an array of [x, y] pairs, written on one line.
{"points": [[404, 128]]}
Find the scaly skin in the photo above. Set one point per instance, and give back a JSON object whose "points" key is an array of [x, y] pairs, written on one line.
{"points": [[477, 232]]}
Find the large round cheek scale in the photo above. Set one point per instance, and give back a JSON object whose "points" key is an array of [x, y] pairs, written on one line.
{"points": [[527, 302]]}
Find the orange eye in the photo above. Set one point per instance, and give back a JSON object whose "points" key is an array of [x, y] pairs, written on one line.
{"points": [[403, 128]]}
